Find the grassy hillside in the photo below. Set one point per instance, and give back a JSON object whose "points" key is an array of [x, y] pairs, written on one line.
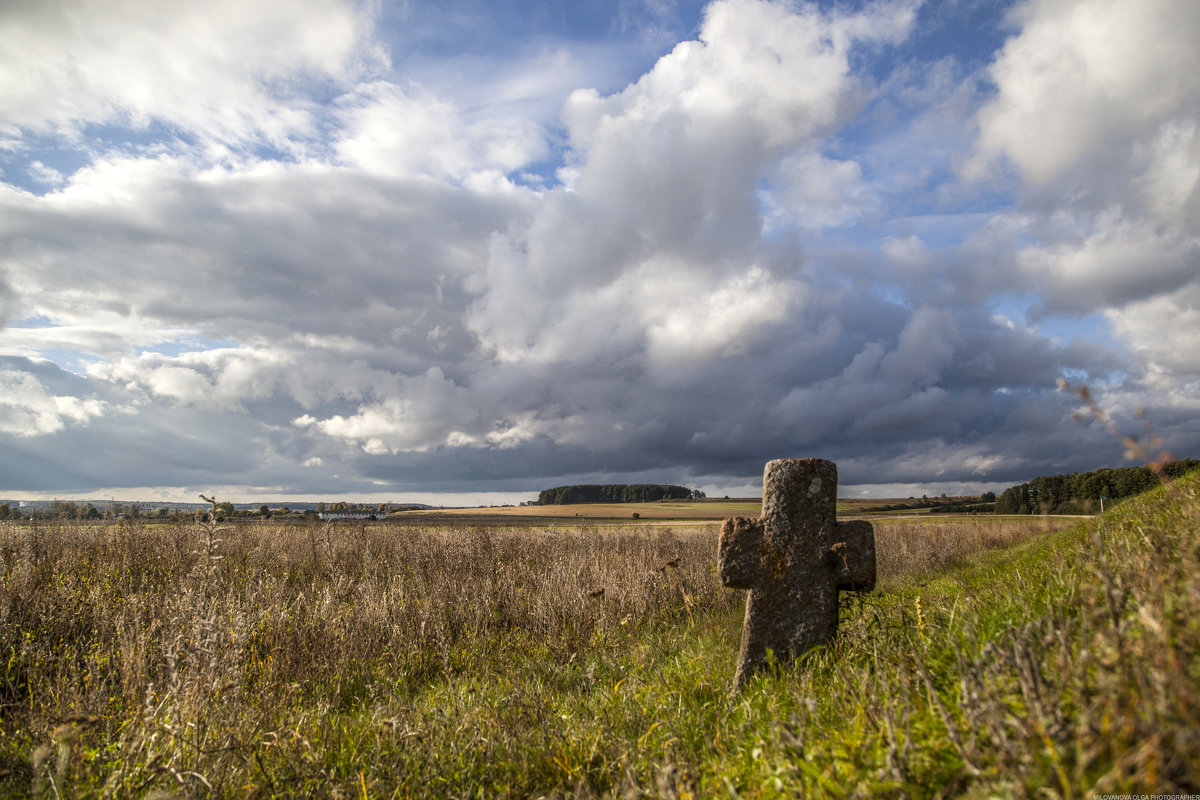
{"points": [[394, 662]]}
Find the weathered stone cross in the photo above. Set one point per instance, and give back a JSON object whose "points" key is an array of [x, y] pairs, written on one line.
{"points": [[794, 559]]}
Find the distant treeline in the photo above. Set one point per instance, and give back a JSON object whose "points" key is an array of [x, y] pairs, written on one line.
{"points": [[68, 509], [1080, 492], [983, 504], [615, 493], [964, 508]]}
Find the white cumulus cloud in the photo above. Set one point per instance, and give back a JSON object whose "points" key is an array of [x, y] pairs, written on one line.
{"points": [[225, 70], [28, 409]]}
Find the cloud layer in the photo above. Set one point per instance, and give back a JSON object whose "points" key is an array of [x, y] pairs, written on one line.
{"points": [[237, 253]]}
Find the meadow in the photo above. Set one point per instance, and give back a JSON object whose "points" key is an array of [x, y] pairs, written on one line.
{"points": [[998, 657], [677, 513]]}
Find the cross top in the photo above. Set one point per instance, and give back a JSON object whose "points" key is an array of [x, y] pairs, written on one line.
{"points": [[794, 559]]}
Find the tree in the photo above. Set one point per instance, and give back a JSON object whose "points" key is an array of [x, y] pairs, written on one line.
{"points": [[612, 493], [263, 511], [64, 509], [1066, 494]]}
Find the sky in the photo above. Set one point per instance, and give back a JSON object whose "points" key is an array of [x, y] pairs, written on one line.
{"points": [[459, 252]]}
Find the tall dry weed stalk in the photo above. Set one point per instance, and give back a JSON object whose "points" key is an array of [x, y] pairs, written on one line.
{"points": [[1149, 451]]}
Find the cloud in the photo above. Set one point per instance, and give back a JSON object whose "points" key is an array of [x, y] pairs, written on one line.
{"points": [[882, 389], [226, 71], [279, 252], [28, 409], [1096, 81], [723, 323], [414, 418], [386, 130], [1106, 87], [7, 301], [1116, 262], [817, 192], [1168, 349], [45, 175], [1110, 183], [351, 276], [665, 173]]}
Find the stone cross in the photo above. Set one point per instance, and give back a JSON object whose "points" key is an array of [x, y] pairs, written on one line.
{"points": [[794, 559]]}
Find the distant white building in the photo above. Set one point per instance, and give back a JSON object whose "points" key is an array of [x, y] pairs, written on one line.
{"points": [[364, 515]]}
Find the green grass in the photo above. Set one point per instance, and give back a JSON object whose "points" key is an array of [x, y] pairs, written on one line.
{"points": [[394, 662]]}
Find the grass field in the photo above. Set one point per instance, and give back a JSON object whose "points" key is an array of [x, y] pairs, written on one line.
{"points": [[622, 514], [680, 512], [393, 660]]}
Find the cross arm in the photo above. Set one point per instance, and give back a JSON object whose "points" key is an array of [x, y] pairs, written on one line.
{"points": [[739, 552], [852, 555]]}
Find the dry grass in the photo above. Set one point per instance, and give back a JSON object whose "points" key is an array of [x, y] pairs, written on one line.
{"points": [[267, 660], [155, 633], [908, 546]]}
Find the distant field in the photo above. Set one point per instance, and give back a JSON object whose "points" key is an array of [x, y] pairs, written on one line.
{"points": [[595, 513], [683, 512]]}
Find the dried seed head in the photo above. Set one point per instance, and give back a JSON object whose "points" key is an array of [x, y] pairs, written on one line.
{"points": [[65, 733]]}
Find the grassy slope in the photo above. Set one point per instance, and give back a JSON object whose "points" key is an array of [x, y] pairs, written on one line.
{"points": [[1066, 665]]}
